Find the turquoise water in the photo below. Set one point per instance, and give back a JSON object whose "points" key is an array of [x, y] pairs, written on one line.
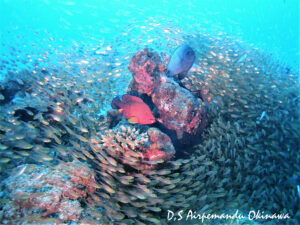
{"points": [[272, 26], [65, 61]]}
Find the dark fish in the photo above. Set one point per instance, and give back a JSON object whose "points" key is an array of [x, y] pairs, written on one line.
{"points": [[181, 61]]}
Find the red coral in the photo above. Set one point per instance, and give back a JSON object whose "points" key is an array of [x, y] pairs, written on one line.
{"points": [[63, 186], [154, 154], [69, 210], [160, 147], [128, 146], [83, 176], [146, 68], [179, 110]]}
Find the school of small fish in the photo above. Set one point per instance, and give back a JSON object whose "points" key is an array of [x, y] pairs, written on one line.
{"points": [[245, 159]]}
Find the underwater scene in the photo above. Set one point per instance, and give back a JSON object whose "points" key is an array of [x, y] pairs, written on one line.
{"points": [[149, 112]]}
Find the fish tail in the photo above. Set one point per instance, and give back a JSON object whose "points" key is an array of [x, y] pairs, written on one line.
{"points": [[115, 103]]}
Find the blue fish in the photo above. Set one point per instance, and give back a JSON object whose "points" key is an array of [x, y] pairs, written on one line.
{"points": [[181, 61]]}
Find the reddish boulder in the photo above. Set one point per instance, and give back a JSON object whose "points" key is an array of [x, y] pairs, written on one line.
{"points": [[179, 110], [160, 146], [147, 69]]}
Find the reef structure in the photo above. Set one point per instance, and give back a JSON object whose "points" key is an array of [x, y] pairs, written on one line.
{"points": [[245, 160], [179, 110], [147, 70], [131, 146], [37, 192]]}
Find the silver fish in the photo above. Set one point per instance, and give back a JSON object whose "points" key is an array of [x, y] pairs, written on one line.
{"points": [[261, 117]]}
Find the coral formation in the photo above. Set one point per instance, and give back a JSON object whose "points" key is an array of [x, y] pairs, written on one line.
{"points": [[179, 110], [39, 192], [136, 190], [146, 67], [160, 146], [130, 146]]}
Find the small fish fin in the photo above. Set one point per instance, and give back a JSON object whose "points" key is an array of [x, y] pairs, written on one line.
{"points": [[159, 120], [133, 120], [130, 98]]}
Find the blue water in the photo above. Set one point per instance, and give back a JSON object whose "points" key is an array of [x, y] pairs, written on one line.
{"points": [[270, 25]]}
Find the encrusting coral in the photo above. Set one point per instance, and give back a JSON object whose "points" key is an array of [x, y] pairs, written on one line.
{"points": [[178, 109], [130, 146], [38, 192]]}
